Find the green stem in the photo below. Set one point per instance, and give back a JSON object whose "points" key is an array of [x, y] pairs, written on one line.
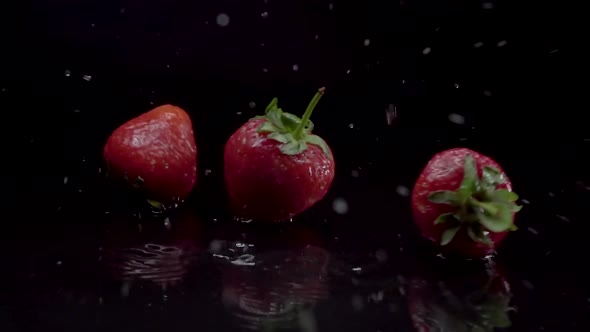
{"points": [[487, 207], [298, 134]]}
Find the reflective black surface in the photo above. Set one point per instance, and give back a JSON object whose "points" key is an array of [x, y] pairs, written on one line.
{"points": [[404, 81]]}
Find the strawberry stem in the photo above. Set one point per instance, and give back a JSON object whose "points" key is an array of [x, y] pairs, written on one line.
{"points": [[298, 134]]}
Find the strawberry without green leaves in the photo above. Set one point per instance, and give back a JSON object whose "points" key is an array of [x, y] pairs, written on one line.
{"points": [[275, 167], [464, 201], [155, 153]]}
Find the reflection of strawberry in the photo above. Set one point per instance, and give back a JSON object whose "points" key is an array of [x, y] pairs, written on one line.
{"points": [[159, 249], [464, 201], [275, 167], [460, 301], [156, 153], [273, 290]]}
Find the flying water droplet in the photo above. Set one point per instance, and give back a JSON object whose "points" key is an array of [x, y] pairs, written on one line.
{"points": [[87, 78], [457, 118], [340, 206], [367, 42], [67, 73], [264, 14], [478, 44], [426, 51], [502, 43], [222, 20], [402, 191], [295, 67]]}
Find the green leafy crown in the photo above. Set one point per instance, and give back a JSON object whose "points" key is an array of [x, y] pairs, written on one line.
{"points": [[481, 207], [293, 132]]}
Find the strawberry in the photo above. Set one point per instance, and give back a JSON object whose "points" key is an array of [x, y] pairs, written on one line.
{"points": [[275, 167], [463, 201], [156, 153]]}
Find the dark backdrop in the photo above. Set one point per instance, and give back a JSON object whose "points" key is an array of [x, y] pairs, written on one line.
{"points": [[72, 71]]}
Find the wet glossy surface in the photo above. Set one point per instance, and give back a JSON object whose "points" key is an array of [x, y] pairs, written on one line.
{"points": [[402, 84]]}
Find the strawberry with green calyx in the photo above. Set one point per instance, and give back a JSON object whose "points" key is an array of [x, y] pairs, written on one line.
{"points": [[275, 167], [464, 201]]}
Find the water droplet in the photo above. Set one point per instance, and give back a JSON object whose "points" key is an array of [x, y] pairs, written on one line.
{"points": [[348, 72], [426, 51], [487, 93], [357, 302], [122, 10], [533, 231], [562, 218], [167, 223], [58, 263], [402, 191], [390, 114], [239, 113], [244, 260], [355, 173], [527, 284], [93, 25], [381, 255], [367, 42], [478, 44], [456, 86], [265, 70], [125, 289], [222, 20], [65, 180], [502, 43], [87, 78], [317, 37], [340, 206], [252, 104], [457, 118], [67, 73], [331, 6], [295, 67], [264, 14], [487, 5], [525, 201], [207, 172], [351, 126], [216, 246]]}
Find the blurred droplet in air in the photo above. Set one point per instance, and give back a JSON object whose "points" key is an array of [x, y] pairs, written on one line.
{"points": [[502, 43], [340, 206], [457, 118], [426, 51], [478, 44], [487, 5], [252, 104], [264, 14], [402, 191], [367, 42], [87, 78], [222, 20], [67, 73], [390, 114], [295, 67]]}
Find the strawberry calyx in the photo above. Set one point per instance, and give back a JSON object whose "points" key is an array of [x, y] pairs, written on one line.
{"points": [[481, 207], [293, 132]]}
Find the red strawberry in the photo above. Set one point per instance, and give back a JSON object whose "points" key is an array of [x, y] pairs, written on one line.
{"points": [[464, 201], [275, 167], [155, 152]]}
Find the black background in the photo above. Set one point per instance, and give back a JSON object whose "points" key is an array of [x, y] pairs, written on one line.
{"points": [[516, 97]]}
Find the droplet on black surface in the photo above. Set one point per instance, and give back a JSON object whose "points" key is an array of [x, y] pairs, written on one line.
{"points": [[222, 20]]}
